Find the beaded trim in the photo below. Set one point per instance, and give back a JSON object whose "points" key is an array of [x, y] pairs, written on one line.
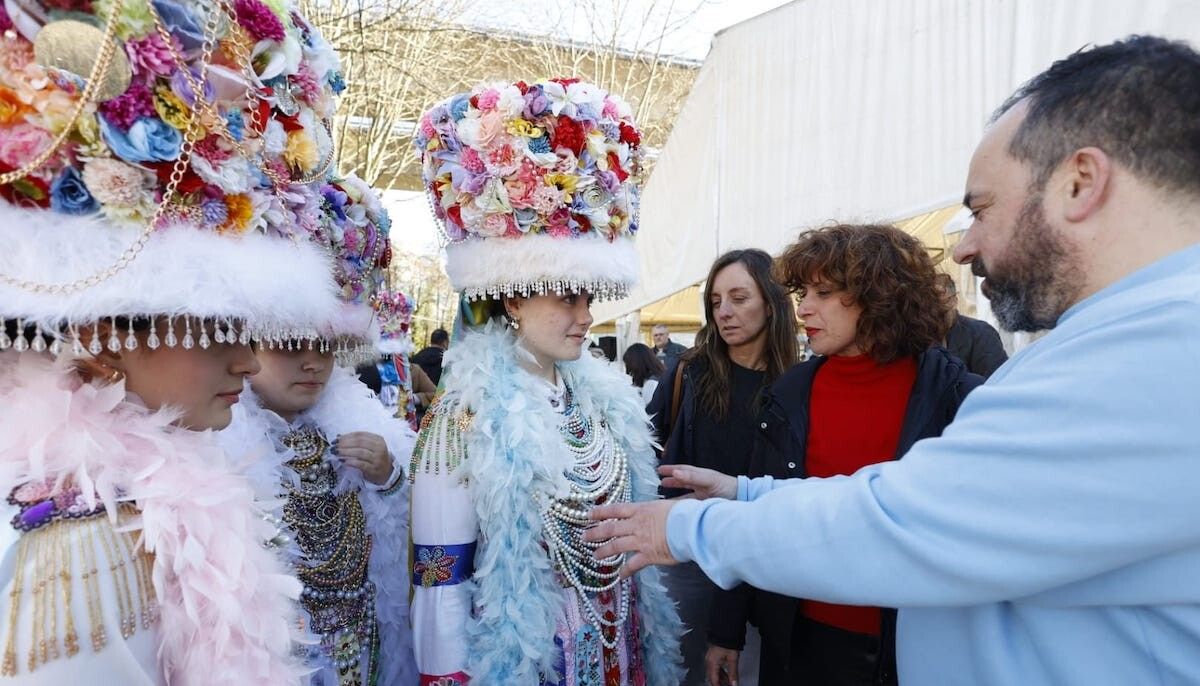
{"points": [[179, 331], [442, 431], [62, 549], [601, 290]]}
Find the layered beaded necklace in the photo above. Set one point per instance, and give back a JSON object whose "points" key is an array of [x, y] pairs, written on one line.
{"points": [[332, 536], [598, 474]]}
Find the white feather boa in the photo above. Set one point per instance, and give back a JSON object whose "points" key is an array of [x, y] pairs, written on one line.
{"points": [[346, 405], [227, 603], [515, 450]]}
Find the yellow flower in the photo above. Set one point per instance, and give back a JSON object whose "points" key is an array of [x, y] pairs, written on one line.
{"points": [[522, 127], [301, 152], [171, 108], [563, 182], [241, 210]]}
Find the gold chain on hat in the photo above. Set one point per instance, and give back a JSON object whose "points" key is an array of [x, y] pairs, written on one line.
{"points": [[177, 171]]}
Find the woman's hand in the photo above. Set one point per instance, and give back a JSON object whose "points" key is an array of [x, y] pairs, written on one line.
{"points": [[366, 452], [703, 483], [720, 661]]}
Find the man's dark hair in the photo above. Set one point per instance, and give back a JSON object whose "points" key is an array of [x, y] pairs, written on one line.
{"points": [[439, 337], [1138, 100]]}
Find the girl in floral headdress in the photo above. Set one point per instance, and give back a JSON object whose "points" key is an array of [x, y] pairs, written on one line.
{"points": [[534, 185], [153, 226]]}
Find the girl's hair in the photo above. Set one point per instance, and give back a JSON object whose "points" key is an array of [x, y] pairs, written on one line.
{"points": [[886, 272], [714, 386], [641, 364]]}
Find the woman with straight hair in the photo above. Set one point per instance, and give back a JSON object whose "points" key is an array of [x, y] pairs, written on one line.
{"points": [[705, 407], [643, 368], [875, 317]]}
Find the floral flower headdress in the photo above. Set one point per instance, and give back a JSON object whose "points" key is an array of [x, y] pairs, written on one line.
{"points": [[355, 227], [394, 311], [163, 158], [535, 187]]}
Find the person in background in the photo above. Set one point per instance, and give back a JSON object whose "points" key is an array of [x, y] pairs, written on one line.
{"points": [[644, 368], [748, 341], [597, 352], [424, 389], [874, 314], [430, 358], [972, 340], [666, 350]]}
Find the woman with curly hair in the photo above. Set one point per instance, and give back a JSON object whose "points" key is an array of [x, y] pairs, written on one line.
{"points": [[875, 318]]}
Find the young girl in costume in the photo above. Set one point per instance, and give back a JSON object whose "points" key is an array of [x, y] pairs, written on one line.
{"points": [[156, 210], [535, 187], [335, 460]]}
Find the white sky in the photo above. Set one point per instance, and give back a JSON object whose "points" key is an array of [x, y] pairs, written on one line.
{"points": [[413, 229]]}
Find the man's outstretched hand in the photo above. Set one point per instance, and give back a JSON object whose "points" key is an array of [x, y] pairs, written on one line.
{"points": [[639, 529]]}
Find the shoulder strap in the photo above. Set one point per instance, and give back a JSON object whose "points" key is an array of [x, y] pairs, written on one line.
{"points": [[677, 392]]}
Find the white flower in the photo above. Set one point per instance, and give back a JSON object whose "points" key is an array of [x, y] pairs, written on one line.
{"points": [[494, 198], [274, 138], [234, 176], [511, 102]]}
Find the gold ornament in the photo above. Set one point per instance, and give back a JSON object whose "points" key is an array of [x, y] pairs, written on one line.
{"points": [[74, 46]]}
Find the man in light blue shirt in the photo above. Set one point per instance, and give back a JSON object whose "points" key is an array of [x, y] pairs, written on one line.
{"points": [[1052, 534]]}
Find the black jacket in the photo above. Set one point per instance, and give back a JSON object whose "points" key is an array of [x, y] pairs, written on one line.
{"points": [[976, 343], [430, 360], [941, 385]]}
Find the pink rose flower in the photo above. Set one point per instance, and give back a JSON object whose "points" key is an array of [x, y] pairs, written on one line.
{"points": [[558, 224], [113, 182], [546, 199], [21, 143], [496, 225], [471, 161], [491, 125], [487, 100]]}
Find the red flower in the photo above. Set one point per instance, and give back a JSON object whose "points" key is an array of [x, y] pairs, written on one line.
{"points": [[191, 183], [386, 258], [630, 135], [568, 134], [454, 214], [28, 191], [615, 165], [565, 82], [522, 86]]}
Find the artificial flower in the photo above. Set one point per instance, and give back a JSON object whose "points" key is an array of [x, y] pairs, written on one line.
{"points": [[301, 152], [12, 108], [149, 139], [240, 210], [524, 128], [135, 18], [149, 56], [179, 21], [136, 102], [116, 184], [21, 143], [233, 175], [496, 225], [494, 198], [170, 108], [69, 194], [259, 20], [568, 135]]}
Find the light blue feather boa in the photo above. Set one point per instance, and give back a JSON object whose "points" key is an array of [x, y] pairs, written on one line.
{"points": [[515, 450]]}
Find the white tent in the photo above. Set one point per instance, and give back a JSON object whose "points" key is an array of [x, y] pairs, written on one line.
{"points": [[850, 109]]}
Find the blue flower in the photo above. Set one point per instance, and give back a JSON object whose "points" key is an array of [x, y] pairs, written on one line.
{"points": [[236, 124], [69, 195], [459, 106], [540, 145], [180, 23], [336, 82], [149, 139]]}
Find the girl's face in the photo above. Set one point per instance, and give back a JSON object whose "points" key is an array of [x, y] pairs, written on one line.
{"points": [[830, 321], [202, 382], [291, 381], [553, 328]]}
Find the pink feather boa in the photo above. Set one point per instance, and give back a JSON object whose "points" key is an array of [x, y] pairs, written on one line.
{"points": [[227, 603]]}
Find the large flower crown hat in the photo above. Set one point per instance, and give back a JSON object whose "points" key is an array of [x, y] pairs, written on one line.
{"points": [[163, 159], [535, 188], [355, 228], [394, 312]]}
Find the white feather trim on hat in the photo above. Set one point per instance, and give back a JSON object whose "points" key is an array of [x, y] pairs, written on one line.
{"points": [[272, 284], [541, 263]]}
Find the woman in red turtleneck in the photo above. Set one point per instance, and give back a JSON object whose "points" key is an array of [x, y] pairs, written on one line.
{"points": [[874, 316]]}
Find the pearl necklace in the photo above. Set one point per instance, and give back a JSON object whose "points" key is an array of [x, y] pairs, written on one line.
{"points": [[598, 474]]}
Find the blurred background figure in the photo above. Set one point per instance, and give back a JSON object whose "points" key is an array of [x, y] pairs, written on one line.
{"points": [[666, 350], [971, 340], [430, 358], [644, 368]]}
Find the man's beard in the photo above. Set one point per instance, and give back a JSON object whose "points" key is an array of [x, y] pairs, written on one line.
{"points": [[1039, 278]]}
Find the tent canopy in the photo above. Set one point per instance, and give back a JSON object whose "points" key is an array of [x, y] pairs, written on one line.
{"points": [[827, 110]]}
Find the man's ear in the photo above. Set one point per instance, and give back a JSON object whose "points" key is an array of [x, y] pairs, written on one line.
{"points": [[1086, 185]]}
